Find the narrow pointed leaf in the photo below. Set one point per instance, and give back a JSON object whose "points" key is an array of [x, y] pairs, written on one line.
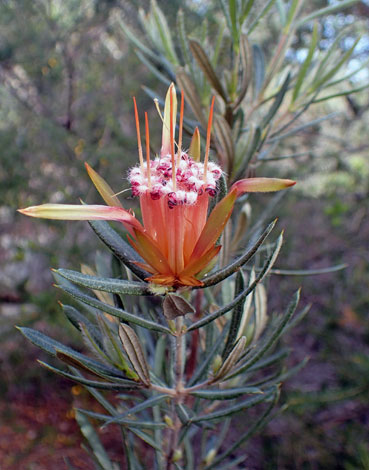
{"points": [[165, 33], [205, 65], [76, 318], [121, 249], [115, 286], [258, 61], [125, 422], [203, 366], [147, 438], [246, 61], [149, 403], [327, 11], [277, 332], [87, 364], [231, 360], [103, 188], [226, 394], [223, 134], [306, 64], [266, 268], [122, 314], [130, 385], [134, 352], [259, 424], [277, 102], [57, 349], [241, 406], [236, 316], [192, 97], [94, 441]]}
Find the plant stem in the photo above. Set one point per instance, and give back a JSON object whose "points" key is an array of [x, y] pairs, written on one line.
{"points": [[178, 392]]}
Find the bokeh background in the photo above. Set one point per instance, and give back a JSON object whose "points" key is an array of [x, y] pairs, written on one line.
{"points": [[67, 75]]}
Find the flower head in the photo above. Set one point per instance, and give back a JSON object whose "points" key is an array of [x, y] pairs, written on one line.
{"points": [[176, 239]]}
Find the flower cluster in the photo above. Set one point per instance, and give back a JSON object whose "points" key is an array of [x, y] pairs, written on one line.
{"points": [[189, 177]]}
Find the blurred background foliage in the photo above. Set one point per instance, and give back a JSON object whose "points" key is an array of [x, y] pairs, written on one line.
{"points": [[67, 74]]}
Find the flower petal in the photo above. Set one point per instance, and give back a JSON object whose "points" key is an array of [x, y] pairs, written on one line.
{"points": [[83, 212], [148, 249], [195, 146], [223, 210], [253, 185], [166, 137], [214, 225], [163, 279], [102, 186], [197, 265]]}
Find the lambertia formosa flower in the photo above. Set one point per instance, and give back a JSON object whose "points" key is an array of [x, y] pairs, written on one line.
{"points": [[176, 239]]}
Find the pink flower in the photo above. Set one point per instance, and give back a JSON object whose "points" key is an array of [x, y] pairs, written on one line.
{"points": [[177, 239]]}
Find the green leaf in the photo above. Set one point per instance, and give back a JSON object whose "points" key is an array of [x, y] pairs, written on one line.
{"points": [[292, 10], [125, 422], [245, 10], [338, 6], [94, 441], [76, 318], [130, 385], [226, 394], [149, 403], [326, 77], [186, 83], [231, 268], [116, 312], [54, 348], [263, 12], [133, 38], [236, 316], [270, 360], [270, 340], [124, 252], [164, 33], [203, 367], [276, 103], [90, 365], [247, 67], [258, 69], [115, 286], [147, 438], [205, 65], [238, 407], [183, 41], [266, 268], [306, 64], [233, 15], [259, 424], [342, 93], [154, 68]]}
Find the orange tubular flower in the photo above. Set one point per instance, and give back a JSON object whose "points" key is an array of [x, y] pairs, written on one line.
{"points": [[177, 239]]}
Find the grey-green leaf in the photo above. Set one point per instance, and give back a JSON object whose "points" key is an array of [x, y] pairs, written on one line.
{"points": [[115, 286], [226, 394], [122, 314]]}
